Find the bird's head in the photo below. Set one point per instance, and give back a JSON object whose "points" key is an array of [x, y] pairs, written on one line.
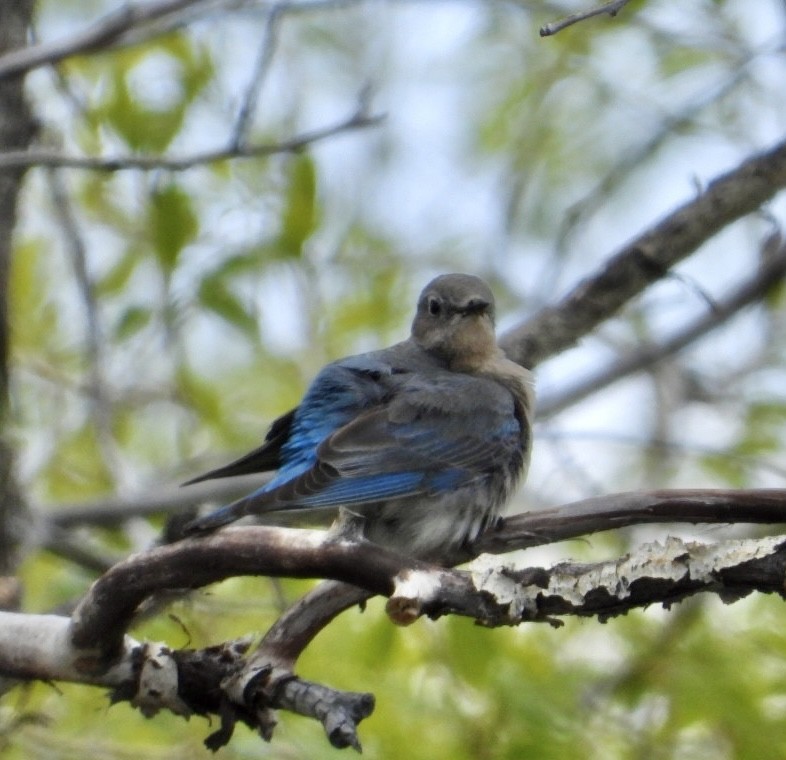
{"points": [[455, 321]]}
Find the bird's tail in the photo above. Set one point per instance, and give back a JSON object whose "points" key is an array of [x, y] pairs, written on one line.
{"points": [[217, 519]]}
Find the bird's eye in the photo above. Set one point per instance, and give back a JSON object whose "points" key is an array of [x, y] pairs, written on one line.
{"points": [[434, 307]]}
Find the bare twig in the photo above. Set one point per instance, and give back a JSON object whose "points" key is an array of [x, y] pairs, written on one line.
{"points": [[648, 258], [111, 512], [93, 339], [635, 158], [99, 35], [50, 158], [136, 23], [748, 293], [65, 544], [609, 9], [267, 48]]}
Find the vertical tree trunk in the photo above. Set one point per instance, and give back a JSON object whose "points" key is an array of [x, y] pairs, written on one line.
{"points": [[17, 128]]}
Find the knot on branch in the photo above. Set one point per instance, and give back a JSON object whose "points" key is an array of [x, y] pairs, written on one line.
{"points": [[262, 686], [158, 686]]}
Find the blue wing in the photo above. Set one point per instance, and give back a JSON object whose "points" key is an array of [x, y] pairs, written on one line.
{"points": [[432, 436], [366, 433], [340, 392]]}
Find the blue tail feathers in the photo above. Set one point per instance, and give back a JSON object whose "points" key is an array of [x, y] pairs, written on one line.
{"points": [[215, 520]]}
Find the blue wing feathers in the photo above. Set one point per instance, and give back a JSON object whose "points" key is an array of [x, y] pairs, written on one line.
{"points": [[366, 432]]}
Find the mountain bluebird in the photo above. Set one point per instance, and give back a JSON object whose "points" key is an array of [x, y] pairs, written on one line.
{"points": [[425, 440]]}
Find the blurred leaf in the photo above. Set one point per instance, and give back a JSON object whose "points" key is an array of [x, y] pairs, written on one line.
{"points": [[727, 468], [239, 263], [199, 395], [197, 68], [142, 127], [299, 217], [173, 224], [78, 469], [118, 276], [372, 307], [216, 296], [131, 321], [98, 194], [677, 59], [33, 316]]}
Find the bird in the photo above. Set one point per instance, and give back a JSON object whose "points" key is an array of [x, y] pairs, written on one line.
{"points": [[426, 440]]}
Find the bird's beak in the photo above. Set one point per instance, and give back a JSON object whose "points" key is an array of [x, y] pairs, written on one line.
{"points": [[476, 306]]}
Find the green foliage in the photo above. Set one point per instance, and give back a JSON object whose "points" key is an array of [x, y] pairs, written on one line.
{"points": [[173, 224], [40, 317], [198, 395], [299, 218], [762, 437], [78, 468], [180, 267], [143, 127], [216, 296], [131, 321]]}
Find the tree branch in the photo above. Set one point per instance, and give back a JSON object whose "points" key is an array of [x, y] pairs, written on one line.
{"points": [[108, 609], [220, 680], [750, 292], [50, 158], [98, 36], [648, 258], [106, 612], [17, 130], [610, 9], [765, 506], [496, 595]]}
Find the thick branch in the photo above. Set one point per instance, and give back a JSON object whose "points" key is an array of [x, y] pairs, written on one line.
{"points": [[108, 609], [153, 677], [40, 647], [495, 595], [581, 518], [218, 680], [648, 258]]}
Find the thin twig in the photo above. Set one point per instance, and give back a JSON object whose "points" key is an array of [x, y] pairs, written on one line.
{"points": [[75, 246], [267, 48], [50, 158], [114, 511], [648, 258], [98, 36], [136, 23], [748, 293], [610, 9], [671, 123]]}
